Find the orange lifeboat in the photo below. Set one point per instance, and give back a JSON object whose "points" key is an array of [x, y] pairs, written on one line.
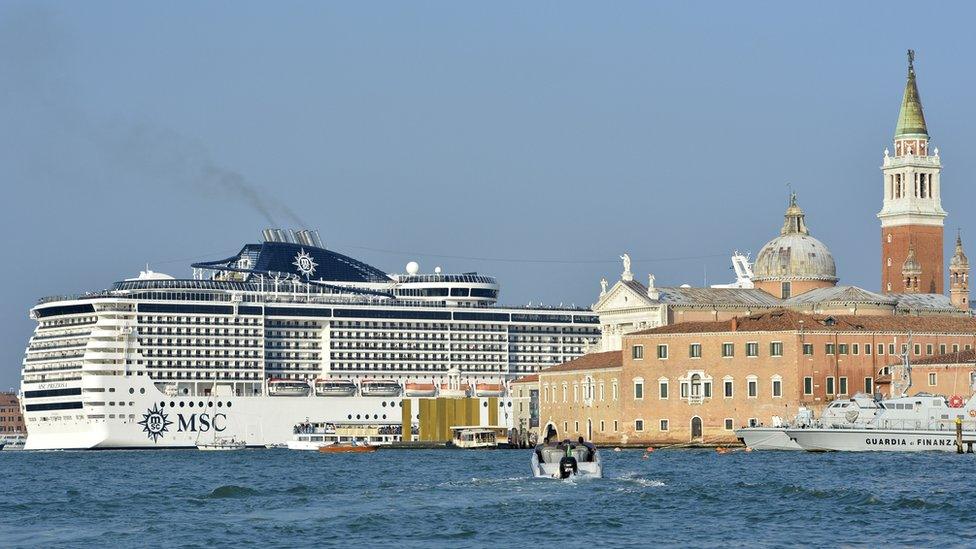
{"points": [[489, 389], [419, 389], [446, 391]]}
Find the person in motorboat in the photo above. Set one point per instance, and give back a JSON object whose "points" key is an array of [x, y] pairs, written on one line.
{"points": [[589, 446], [568, 464]]}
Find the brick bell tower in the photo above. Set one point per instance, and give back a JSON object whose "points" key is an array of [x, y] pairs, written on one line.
{"points": [[912, 215]]}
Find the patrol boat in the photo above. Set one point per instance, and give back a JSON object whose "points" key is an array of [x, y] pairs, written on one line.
{"points": [[916, 423], [843, 413]]}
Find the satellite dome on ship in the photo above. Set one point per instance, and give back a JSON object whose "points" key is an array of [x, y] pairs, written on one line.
{"points": [[794, 255]]}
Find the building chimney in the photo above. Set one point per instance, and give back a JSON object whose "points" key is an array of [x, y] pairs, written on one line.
{"points": [[735, 323]]}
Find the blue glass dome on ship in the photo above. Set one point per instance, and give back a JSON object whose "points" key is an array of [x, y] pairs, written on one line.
{"points": [[304, 262]]}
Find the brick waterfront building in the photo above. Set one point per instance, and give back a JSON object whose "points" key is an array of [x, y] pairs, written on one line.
{"points": [[11, 417], [698, 381]]}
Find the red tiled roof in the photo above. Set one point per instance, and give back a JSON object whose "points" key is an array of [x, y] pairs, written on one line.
{"points": [[785, 320], [592, 361], [527, 379]]}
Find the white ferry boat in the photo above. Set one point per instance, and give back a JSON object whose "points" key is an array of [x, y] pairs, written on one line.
{"points": [[283, 330]]}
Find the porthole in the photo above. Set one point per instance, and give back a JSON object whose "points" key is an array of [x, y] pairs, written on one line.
{"points": [[376, 416], [200, 404], [142, 391], [131, 391], [210, 404], [509, 404], [401, 404], [191, 404], [182, 404], [229, 403], [349, 416], [220, 404], [485, 404], [357, 416], [384, 404], [162, 404], [384, 416], [186, 391], [172, 404]]}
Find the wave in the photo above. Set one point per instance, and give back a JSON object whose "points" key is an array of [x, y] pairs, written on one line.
{"points": [[231, 491]]}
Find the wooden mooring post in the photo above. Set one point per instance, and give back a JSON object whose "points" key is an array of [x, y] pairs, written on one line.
{"points": [[959, 441]]}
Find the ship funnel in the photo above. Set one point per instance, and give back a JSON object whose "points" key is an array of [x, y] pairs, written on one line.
{"points": [[268, 235], [316, 240], [302, 237]]}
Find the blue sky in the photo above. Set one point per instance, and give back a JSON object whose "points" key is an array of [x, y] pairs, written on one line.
{"points": [[460, 135]]}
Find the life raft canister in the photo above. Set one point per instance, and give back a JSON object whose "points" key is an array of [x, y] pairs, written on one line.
{"points": [[972, 413], [955, 401]]}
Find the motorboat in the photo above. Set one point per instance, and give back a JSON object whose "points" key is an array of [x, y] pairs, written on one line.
{"points": [[918, 423], [335, 387], [287, 388], [380, 388], [342, 448], [222, 445], [489, 389], [420, 389], [566, 460]]}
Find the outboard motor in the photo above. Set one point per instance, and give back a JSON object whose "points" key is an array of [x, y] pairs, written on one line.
{"points": [[568, 465]]}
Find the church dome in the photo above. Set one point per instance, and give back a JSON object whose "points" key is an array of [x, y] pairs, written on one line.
{"points": [[794, 254]]}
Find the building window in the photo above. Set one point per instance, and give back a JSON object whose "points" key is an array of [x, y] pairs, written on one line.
{"points": [[752, 349], [639, 425], [776, 348], [955, 348], [777, 386], [855, 349], [918, 349], [729, 425], [615, 426], [728, 350], [663, 389], [728, 388], [932, 379], [869, 386], [694, 350], [752, 387], [601, 426], [662, 352], [684, 389], [613, 390], [576, 426], [787, 290], [867, 348], [808, 349], [664, 425], [638, 389], [842, 349], [842, 386], [707, 388], [891, 348], [575, 393], [928, 349], [565, 393], [638, 352], [808, 385], [829, 348], [942, 349], [830, 385]]}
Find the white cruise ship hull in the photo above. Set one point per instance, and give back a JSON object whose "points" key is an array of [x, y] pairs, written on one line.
{"points": [[876, 440], [153, 420], [766, 438]]}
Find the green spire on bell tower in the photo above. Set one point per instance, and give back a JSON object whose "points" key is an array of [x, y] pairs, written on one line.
{"points": [[911, 120]]}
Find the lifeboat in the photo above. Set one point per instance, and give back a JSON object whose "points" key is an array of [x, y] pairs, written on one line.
{"points": [[420, 389], [447, 391], [380, 388], [335, 387], [489, 389], [287, 388]]}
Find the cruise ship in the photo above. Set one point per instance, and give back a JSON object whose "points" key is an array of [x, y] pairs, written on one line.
{"points": [[285, 331]]}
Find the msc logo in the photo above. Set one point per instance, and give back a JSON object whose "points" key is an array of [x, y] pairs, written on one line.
{"points": [[154, 423], [305, 264]]}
